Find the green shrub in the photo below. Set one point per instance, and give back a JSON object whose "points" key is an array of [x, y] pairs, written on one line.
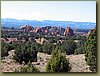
{"points": [[47, 48], [5, 47], [68, 46], [79, 50], [58, 62], [27, 68], [90, 50], [25, 53]]}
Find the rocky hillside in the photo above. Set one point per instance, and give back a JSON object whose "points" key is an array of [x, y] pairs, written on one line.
{"points": [[77, 62]]}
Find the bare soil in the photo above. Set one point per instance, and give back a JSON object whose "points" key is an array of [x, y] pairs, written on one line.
{"points": [[77, 62]]}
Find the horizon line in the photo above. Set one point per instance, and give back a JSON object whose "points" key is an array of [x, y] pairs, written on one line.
{"points": [[48, 20]]}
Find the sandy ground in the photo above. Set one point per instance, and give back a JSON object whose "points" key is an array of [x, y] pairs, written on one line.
{"points": [[77, 63]]}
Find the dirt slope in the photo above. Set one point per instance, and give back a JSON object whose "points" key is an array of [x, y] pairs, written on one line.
{"points": [[76, 61]]}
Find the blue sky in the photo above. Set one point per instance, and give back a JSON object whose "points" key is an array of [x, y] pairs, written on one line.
{"points": [[81, 11]]}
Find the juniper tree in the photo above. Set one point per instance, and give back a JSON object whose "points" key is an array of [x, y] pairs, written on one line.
{"points": [[25, 53], [90, 50], [58, 62]]}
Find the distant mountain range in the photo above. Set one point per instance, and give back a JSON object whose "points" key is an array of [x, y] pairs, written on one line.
{"points": [[9, 22]]}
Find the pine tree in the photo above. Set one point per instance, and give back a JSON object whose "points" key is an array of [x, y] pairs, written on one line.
{"points": [[90, 50], [58, 62]]}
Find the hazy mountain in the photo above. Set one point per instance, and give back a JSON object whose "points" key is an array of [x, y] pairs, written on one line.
{"points": [[9, 22]]}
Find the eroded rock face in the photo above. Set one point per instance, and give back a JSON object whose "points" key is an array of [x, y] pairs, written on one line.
{"points": [[68, 32], [53, 30], [26, 27], [38, 30]]}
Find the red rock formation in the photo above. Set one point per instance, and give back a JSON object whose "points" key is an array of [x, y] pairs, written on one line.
{"points": [[32, 31], [26, 27], [46, 31], [68, 32], [38, 30]]}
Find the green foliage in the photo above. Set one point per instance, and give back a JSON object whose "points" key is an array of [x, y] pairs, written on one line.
{"points": [[58, 62], [27, 68], [47, 48], [68, 46], [38, 47], [90, 50], [25, 52], [5, 47], [79, 50]]}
